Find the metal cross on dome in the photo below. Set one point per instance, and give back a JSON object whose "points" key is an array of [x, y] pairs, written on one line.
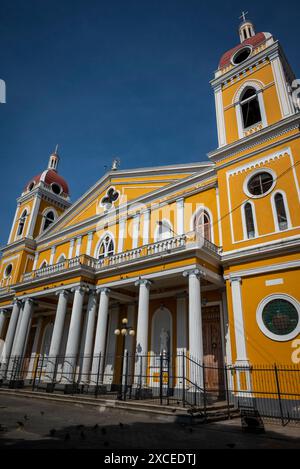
{"points": [[111, 196], [243, 15]]}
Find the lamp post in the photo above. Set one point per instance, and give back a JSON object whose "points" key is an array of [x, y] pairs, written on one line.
{"points": [[124, 331]]}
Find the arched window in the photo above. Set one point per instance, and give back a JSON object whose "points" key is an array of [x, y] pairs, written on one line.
{"points": [[22, 223], [107, 247], [281, 213], [202, 225], [49, 219], [249, 221], [62, 258], [43, 265], [250, 108]]}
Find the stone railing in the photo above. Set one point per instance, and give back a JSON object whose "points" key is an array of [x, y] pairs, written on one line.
{"points": [[169, 246]]}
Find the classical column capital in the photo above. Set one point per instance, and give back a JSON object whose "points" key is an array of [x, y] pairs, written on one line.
{"points": [[235, 279], [64, 293], [17, 302], [80, 289], [143, 281], [194, 272], [103, 290], [3, 311], [30, 301]]}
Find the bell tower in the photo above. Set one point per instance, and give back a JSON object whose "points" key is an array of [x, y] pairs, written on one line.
{"points": [[252, 85], [44, 198]]}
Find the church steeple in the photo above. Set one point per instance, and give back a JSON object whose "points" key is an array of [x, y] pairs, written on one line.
{"points": [[54, 160], [246, 29]]}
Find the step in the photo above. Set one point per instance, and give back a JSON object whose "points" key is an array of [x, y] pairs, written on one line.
{"points": [[171, 413]]}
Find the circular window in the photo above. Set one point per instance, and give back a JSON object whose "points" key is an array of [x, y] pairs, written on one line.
{"points": [[260, 183], [56, 188], [241, 55], [8, 271], [278, 317], [31, 186]]}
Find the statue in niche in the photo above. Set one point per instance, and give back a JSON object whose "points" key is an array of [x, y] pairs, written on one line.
{"points": [[164, 342]]}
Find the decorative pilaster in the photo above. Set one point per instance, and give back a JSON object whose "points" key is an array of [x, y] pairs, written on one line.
{"points": [[89, 243], [122, 229], [146, 227], [180, 216], [135, 230], [237, 306], [20, 341], [181, 339]]}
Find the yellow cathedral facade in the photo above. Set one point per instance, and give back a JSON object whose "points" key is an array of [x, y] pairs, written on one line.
{"points": [[197, 260]]}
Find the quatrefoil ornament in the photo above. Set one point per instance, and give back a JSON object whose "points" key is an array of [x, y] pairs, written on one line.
{"points": [[110, 198]]}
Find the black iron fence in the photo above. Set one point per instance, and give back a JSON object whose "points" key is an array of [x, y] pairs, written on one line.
{"points": [[271, 391]]}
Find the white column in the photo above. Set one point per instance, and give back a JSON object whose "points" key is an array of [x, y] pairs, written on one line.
{"points": [[135, 230], [180, 216], [129, 344], [13, 227], [10, 337], [35, 212], [33, 355], [146, 227], [122, 227], [181, 339], [111, 345], [100, 339], [142, 330], [89, 243], [57, 333], [53, 250], [237, 306], [36, 258], [227, 338], [89, 329], [281, 86], [220, 116], [24, 324], [73, 342], [71, 248], [78, 246], [3, 314], [195, 327]]}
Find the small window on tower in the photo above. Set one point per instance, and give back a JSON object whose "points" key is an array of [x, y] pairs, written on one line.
{"points": [[22, 223], [49, 219], [250, 108], [242, 54], [56, 188]]}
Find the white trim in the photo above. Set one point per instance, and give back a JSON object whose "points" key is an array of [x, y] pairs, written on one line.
{"points": [[14, 224], [78, 246], [180, 216], [219, 221], [238, 316], [245, 233], [281, 87], [53, 251], [265, 330], [135, 230], [90, 237], [264, 270], [220, 117], [71, 248], [34, 215], [146, 226], [121, 237], [287, 211]]}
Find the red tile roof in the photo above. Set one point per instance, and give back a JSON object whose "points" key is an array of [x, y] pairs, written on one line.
{"points": [[254, 41]]}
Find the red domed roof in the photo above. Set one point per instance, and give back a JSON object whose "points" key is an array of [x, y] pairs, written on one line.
{"points": [[49, 177], [254, 41]]}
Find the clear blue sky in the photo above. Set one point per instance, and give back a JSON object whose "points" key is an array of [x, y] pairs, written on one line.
{"points": [[122, 78]]}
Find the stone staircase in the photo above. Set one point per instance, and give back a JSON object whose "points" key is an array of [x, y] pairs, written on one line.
{"points": [[185, 415]]}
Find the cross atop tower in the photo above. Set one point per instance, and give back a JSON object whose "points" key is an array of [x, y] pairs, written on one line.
{"points": [[243, 16]]}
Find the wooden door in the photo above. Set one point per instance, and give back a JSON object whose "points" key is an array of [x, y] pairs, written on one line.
{"points": [[212, 348]]}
